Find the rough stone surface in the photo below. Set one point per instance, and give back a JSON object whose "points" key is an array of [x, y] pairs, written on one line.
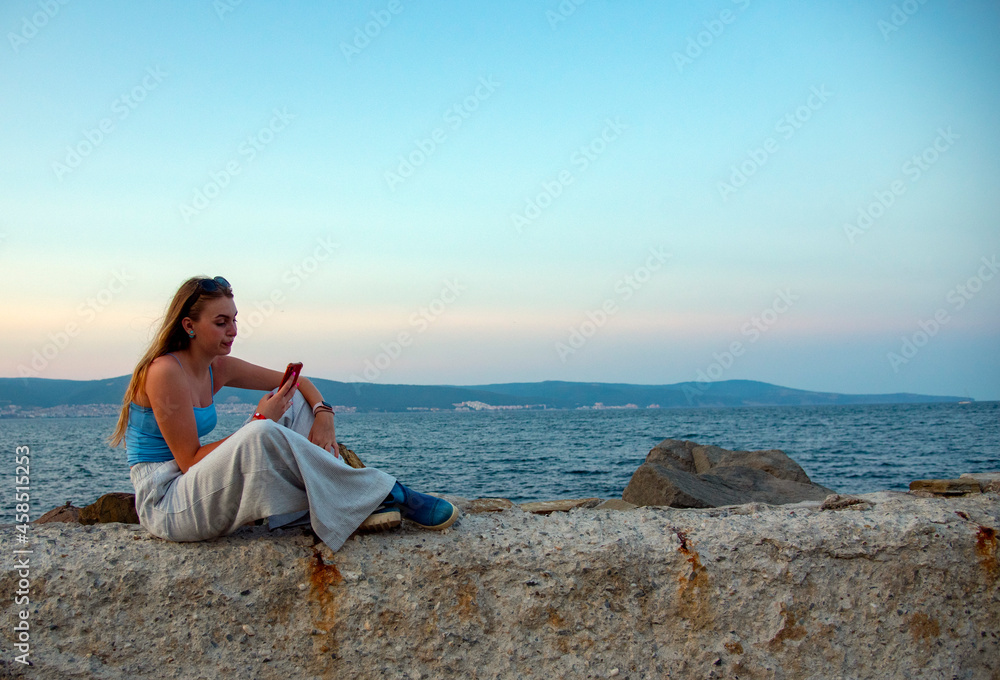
{"points": [[684, 474], [615, 504], [838, 502], [546, 507], [905, 587]]}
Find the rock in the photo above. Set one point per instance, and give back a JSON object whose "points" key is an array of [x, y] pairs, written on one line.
{"points": [[615, 504], [111, 507], [64, 513], [349, 456], [546, 507], [989, 482], [684, 474], [946, 487], [767, 593], [487, 505], [838, 502]]}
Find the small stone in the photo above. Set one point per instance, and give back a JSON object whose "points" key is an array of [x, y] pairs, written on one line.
{"points": [[614, 673], [248, 630], [302, 586], [839, 502], [989, 482], [946, 487], [616, 504], [480, 505], [547, 507]]}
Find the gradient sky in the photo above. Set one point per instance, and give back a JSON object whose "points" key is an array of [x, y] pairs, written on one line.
{"points": [[462, 193]]}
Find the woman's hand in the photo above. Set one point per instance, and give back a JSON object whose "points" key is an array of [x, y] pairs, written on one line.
{"points": [[274, 404], [322, 433]]}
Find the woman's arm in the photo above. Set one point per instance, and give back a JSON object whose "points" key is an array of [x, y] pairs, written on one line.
{"points": [[239, 373], [323, 432]]}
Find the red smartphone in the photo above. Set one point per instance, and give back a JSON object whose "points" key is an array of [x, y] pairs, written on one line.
{"points": [[293, 371]]}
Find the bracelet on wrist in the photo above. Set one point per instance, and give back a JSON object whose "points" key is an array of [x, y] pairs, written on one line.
{"points": [[322, 406], [259, 416]]}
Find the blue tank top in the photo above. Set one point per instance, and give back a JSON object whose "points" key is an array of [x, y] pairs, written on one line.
{"points": [[144, 443]]}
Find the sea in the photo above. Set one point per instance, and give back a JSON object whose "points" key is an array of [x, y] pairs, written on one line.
{"points": [[545, 455]]}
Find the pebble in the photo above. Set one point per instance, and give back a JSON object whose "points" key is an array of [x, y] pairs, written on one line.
{"points": [[248, 630]]}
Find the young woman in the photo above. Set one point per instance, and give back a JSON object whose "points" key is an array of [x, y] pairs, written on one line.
{"points": [[283, 460]]}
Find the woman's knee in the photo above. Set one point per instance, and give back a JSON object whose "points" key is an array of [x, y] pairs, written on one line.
{"points": [[258, 445], [264, 431]]}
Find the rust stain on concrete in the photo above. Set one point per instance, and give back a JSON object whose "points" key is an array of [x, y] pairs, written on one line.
{"points": [[465, 600], [923, 627], [693, 591], [789, 630], [324, 578], [986, 548]]}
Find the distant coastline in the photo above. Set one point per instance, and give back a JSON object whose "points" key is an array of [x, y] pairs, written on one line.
{"points": [[45, 398]]}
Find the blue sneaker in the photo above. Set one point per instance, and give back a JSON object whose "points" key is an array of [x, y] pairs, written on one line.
{"points": [[427, 512]]}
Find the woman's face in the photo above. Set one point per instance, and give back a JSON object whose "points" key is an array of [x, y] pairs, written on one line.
{"points": [[215, 330]]}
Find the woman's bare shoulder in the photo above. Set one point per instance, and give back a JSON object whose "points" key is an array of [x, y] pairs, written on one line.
{"points": [[165, 365], [164, 374], [156, 372]]}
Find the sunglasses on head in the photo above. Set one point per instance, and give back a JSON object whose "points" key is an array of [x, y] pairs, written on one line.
{"points": [[208, 286], [212, 285]]}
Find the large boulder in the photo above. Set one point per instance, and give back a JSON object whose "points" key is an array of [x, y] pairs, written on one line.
{"points": [[685, 474]]}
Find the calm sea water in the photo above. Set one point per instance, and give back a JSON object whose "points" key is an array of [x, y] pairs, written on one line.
{"points": [[543, 455]]}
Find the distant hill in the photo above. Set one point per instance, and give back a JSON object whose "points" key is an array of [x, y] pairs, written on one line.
{"points": [[693, 394], [28, 393]]}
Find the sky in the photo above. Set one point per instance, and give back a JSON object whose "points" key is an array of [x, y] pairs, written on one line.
{"points": [[469, 193]]}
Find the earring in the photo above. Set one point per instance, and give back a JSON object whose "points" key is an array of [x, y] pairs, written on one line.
{"points": [[190, 334]]}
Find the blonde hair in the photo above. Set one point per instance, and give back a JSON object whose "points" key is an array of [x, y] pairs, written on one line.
{"points": [[170, 338]]}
